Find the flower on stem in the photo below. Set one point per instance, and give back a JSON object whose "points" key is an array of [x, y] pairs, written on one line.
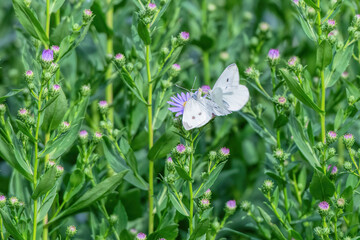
{"points": [[223, 153], [280, 155], [347, 166], [103, 106], [85, 90], [230, 206], [212, 156], [151, 8], [29, 76], [331, 137], [59, 170], [170, 164], [181, 40], [141, 236], [55, 90], [47, 57], [180, 149], [56, 50], [334, 169], [324, 208], [267, 186], [296, 2], [50, 164], [264, 27], [175, 70], [207, 194], [204, 203], [273, 57], [71, 231], [120, 59], [97, 137], [84, 136], [245, 206], [23, 114], [2, 201], [179, 103], [64, 126], [348, 140], [340, 203], [252, 73], [87, 14], [14, 201], [113, 219]]}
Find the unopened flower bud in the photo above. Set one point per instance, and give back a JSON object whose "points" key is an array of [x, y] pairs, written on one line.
{"points": [[212, 155], [71, 231], [76, 27], [141, 236], [181, 39], [53, 67], [103, 107], [50, 164], [14, 202], [120, 59], [56, 50], [224, 56], [331, 137], [175, 70], [83, 136], [264, 27], [85, 90], [331, 152], [267, 186], [97, 137], [164, 52], [64, 126], [245, 206], [130, 67], [230, 206], [2, 201], [340, 203], [59, 170], [151, 8], [207, 194], [252, 73], [170, 164], [55, 90], [224, 153], [204, 203], [29, 76], [347, 166], [113, 219], [273, 56], [23, 114], [348, 140], [87, 14]]}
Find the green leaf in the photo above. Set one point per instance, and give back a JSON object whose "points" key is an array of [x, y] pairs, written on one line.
{"points": [[297, 90], [47, 203], [29, 21], [299, 138], [144, 33], [312, 4], [295, 235], [118, 164], [93, 195], [323, 55], [163, 146], [25, 130], [55, 112], [201, 228], [10, 94], [182, 173], [307, 28], [321, 187], [178, 206], [46, 182], [169, 232], [275, 230], [56, 5], [339, 118], [76, 181], [56, 147], [9, 225], [281, 121], [211, 180], [341, 62]]}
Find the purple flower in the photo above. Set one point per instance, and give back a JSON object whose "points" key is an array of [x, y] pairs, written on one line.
{"points": [[176, 67], [205, 203], [324, 206], [180, 148], [179, 103], [185, 35], [88, 12], [332, 134], [141, 236], [331, 22], [296, 2], [56, 88], [2, 198], [231, 205], [357, 16], [98, 135], [14, 201], [334, 169], [51, 163], [273, 54], [225, 151], [29, 73], [169, 160], [23, 112], [205, 89], [47, 55], [103, 104], [331, 137], [119, 56], [292, 61], [348, 136], [151, 6], [55, 48]]}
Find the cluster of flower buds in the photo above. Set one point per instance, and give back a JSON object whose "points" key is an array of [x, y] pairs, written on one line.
{"points": [[328, 26], [24, 116], [147, 14], [294, 64], [64, 127], [180, 40], [55, 90], [267, 186], [87, 15], [273, 57], [354, 29], [230, 207]]}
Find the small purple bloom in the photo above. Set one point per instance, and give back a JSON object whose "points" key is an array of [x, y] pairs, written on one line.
{"points": [[2, 198], [51, 163], [225, 151], [83, 134], [55, 48], [231, 205], [29, 73], [334, 169], [185, 35], [98, 135], [345, 75], [141, 236], [348, 136], [176, 67], [180, 148], [296, 2], [282, 100], [119, 56], [205, 89], [103, 104], [56, 88], [88, 12], [274, 54], [332, 134], [331, 22], [357, 16], [324, 205], [23, 111], [151, 6], [47, 55], [179, 103], [208, 191], [169, 160], [292, 61], [205, 202]]}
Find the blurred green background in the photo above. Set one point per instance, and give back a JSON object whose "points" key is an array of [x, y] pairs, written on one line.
{"points": [[221, 32]]}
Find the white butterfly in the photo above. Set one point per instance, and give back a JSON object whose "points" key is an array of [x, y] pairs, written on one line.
{"points": [[227, 96]]}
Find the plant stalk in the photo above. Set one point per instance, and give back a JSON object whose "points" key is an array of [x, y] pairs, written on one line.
{"points": [[191, 201], [109, 51]]}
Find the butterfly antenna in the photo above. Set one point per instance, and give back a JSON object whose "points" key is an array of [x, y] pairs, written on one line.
{"points": [[192, 88], [182, 88]]}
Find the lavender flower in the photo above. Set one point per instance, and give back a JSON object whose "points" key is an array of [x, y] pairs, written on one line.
{"points": [[348, 140], [175, 70], [47, 55], [225, 151], [97, 137], [324, 206], [180, 149], [83, 135], [185, 36], [87, 14], [29, 76], [230, 206], [331, 137], [14, 201], [293, 61], [151, 6], [281, 100], [334, 169], [274, 54], [205, 89], [179, 103], [23, 113], [120, 59], [204, 203], [141, 236], [2, 201], [296, 2], [103, 106], [59, 170], [207, 194], [331, 22]]}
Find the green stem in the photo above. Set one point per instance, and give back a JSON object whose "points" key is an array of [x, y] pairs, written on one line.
{"points": [[109, 50], [36, 164], [191, 200], [151, 141], [48, 15], [1, 229], [206, 67], [335, 227], [277, 213], [278, 142], [221, 225]]}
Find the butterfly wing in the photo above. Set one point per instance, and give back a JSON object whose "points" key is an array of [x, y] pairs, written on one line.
{"points": [[197, 113], [227, 94]]}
